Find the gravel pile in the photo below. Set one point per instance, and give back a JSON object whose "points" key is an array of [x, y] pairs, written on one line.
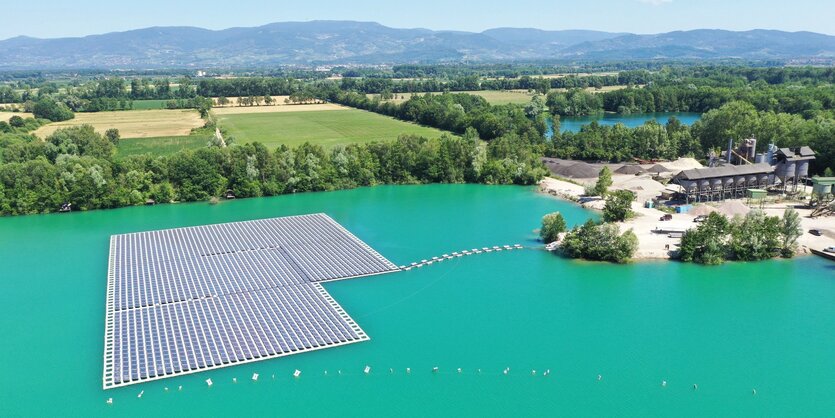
{"points": [[732, 208], [579, 170], [631, 169]]}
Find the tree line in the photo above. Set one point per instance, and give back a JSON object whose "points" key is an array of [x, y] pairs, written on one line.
{"points": [[78, 166], [734, 120]]}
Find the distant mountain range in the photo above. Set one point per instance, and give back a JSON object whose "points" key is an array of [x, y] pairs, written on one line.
{"points": [[347, 42]]}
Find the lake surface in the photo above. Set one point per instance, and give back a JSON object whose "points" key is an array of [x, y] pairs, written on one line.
{"points": [[730, 329], [574, 124]]}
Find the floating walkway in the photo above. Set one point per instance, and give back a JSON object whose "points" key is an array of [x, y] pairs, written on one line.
{"points": [[462, 253]]}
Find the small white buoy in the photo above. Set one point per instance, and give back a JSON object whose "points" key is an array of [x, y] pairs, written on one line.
{"points": [[505, 371], [166, 389], [533, 372], [297, 373], [695, 386], [273, 376], [459, 370], [234, 380], [754, 391], [367, 369], [547, 372], [180, 387], [338, 371], [110, 401], [408, 370], [209, 382], [435, 369], [140, 394], [255, 377], [599, 377], [664, 383], [479, 371], [391, 370]]}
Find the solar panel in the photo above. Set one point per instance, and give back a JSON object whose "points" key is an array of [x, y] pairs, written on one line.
{"points": [[191, 299]]}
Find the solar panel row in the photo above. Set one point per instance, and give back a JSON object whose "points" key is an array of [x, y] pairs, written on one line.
{"points": [[190, 299]]}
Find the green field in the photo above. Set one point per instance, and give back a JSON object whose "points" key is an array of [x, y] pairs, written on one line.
{"points": [[165, 145], [148, 104], [327, 127]]}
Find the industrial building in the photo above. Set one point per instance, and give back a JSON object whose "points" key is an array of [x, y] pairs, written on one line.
{"points": [[724, 182]]}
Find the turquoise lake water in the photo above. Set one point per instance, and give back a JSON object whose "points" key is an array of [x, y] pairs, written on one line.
{"points": [[574, 124], [730, 329]]}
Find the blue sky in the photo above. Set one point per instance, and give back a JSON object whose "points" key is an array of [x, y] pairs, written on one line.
{"points": [[58, 18]]}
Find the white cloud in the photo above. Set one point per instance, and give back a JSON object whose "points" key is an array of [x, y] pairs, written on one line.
{"points": [[656, 2]]}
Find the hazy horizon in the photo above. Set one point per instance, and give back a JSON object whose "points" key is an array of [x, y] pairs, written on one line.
{"points": [[56, 19]]}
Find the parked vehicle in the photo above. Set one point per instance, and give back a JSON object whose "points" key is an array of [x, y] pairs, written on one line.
{"points": [[815, 232], [830, 249], [666, 217], [700, 218]]}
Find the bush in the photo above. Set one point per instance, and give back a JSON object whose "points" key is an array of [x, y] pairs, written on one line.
{"points": [[618, 206], [604, 181], [600, 242], [706, 243], [16, 121], [47, 108], [553, 224]]}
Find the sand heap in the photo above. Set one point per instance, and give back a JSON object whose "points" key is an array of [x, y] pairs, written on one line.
{"points": [[700, 210], [732, 208], [631, 169], [658, 168], [681, 164]]}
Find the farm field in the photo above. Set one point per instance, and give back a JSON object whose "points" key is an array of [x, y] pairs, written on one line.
{"points": [[149, 104], [326, 127], [134, 123], [496, 97], [5, 116], [160, 145], [235, 110]]}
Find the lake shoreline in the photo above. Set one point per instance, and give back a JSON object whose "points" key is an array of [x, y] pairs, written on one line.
{"points": [[660, 246]]}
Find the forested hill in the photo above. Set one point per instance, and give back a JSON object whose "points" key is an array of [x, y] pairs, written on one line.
{"points": [[346, 42]]}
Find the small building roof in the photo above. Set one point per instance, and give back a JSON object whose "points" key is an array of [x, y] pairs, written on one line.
{"points": [[725, 171], [796, 154], [826, 181]]}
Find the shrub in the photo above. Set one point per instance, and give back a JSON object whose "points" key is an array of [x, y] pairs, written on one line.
{"points": [[553, 224], [618, 206], [600, 242]]}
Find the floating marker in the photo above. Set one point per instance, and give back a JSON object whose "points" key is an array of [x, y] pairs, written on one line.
{"points": [[166, 389], [533, 372], [664, 383], [408, 370], [754, 391], [547, 372], [599, 377], [459, 370], [209, 382], [479, 371], [367, 369], [298, 373], [506, 371], [180, 387], [234, 380], [109, 401], [695, 386], [434, 370], [391, 370], [274, 375], [255, 377], [140, 394]]}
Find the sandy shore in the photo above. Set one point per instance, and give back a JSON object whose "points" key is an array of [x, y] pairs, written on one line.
{"points": [[659, 245]]}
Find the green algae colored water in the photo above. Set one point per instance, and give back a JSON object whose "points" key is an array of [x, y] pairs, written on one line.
{"points": [[730, 329]]}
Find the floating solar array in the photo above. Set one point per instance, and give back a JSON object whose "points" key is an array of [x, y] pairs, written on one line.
{"points": [[191, 299]]}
